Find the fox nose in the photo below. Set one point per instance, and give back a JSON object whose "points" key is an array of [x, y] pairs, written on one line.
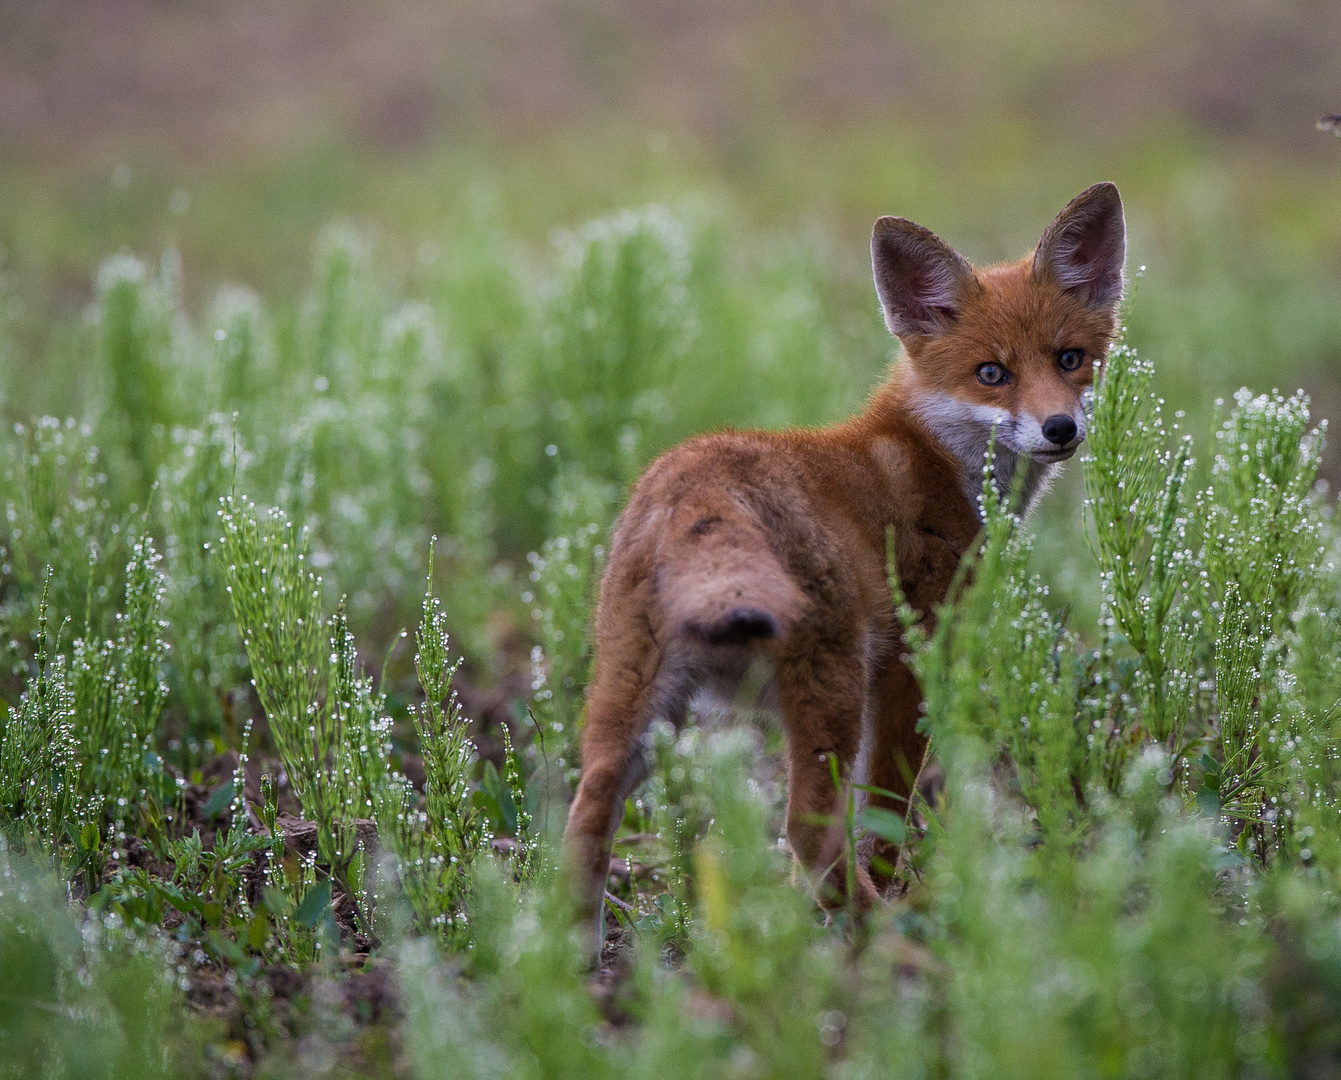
{"points": [[1059, 429]]}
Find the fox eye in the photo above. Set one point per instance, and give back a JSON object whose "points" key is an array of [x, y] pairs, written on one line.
{"points": [[992, 374], [1071, 359]]}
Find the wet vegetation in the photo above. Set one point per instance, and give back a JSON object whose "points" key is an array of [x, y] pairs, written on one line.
{"points": [[295, 575], [295, 616]]}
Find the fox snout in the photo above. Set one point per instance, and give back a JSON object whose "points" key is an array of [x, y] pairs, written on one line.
{"points": [[1060, 436], [1060, 430], [1056, 438]]}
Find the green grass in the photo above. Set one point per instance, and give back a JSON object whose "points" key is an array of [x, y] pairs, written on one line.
{"points": [[207, 578]]}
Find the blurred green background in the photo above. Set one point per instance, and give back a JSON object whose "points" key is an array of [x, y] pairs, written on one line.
{"points": [[231, 133]]}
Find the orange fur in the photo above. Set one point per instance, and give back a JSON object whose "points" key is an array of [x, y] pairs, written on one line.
{"points": [[741, 546]]}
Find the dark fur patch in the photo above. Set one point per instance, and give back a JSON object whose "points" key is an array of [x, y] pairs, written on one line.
{"points": [[739, 627]]}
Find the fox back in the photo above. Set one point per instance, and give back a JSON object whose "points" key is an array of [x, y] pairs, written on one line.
{"points": [[741, 549]]}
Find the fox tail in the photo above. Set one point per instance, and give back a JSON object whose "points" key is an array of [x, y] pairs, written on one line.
{"points": [[733, 597]]}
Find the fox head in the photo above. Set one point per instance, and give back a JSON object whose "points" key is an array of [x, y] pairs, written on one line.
{"points": [[1011, 347]]}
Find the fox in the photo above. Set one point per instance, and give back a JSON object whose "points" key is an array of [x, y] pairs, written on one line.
{"points": [[741, 548]]}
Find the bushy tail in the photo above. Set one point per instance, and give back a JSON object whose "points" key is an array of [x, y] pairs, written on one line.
{"points": [[731, 596], [739, 626]]}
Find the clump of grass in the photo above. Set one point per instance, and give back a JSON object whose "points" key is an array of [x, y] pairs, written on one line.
{"points": [[673, 810], [243, 347], [208, 666], [442, 734], [1262, 530], [331, 729], [1082, 718], [277, 603], [81, 745], [621, 315]]}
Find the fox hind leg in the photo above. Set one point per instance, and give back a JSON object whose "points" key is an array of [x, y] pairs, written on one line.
{"points": [[620, 709]]}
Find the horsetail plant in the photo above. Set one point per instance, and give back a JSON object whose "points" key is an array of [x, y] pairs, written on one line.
{"points": [[1262, 530], [277, 604], [1136, 498], [436, 845], [1134, 859], [208, 663], [562, 581], [446, 747], [57, 512], [119, 692], [999, 670], [335, 745], [40, 770], [1238, 778], [527, 856], [1262, 560], [330, 744]]}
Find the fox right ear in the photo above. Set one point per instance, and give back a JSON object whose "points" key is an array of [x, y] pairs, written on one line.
{"points": [[1084, 248], [918, 277]]}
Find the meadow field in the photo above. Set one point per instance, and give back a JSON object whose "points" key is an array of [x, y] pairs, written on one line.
{"points": [[315, 428]]}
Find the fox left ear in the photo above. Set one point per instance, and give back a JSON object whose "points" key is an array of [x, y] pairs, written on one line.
{"points": [[919, 278], [1084, 248]]}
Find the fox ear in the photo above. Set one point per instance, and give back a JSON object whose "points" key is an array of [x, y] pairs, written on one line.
{"points": [[1084, 249], [918, 277]]}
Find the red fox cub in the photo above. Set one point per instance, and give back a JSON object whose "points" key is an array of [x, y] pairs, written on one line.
{"points": [[738, 547]]}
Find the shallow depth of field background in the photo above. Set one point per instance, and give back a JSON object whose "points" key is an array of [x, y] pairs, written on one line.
{"points": [[460, 270], [232, 133]]}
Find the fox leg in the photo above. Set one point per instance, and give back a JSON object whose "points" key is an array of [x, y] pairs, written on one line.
{"points": [[620, 707], [897, 752], [822, 698]]}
